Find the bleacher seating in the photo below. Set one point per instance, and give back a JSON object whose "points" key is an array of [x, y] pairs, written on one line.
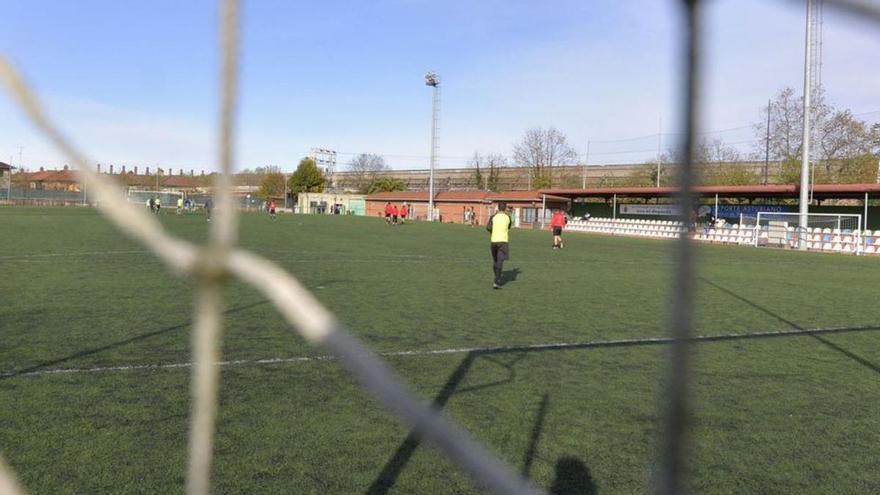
{"points": [[818, 239]]}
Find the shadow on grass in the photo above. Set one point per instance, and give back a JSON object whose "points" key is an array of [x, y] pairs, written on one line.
{"points": [[398, 461], [855, 357], [121, 343], [572, 475], [510, 275], [572, 478], [537, 428]]}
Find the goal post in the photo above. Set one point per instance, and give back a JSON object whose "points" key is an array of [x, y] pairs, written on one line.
{"points": [[838, 232]]}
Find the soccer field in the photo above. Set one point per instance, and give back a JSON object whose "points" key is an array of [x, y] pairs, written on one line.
{"points": [[94, 356]]}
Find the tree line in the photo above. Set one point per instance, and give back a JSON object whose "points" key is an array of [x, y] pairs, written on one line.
{"points": [[844, 149]]}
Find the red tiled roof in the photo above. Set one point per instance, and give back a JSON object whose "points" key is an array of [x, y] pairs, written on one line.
{"points": [[751, 191], [463, 196], [52, 176]]}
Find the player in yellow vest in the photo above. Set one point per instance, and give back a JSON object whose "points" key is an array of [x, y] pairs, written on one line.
{"points": [[499, 229]]}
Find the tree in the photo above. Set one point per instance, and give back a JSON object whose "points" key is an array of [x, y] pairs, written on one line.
{"points": [[721, 164], [476, 162], [385, 184], [307, 178], [786, 123], [254, 177], [272, 186], [364, 169], [487, 169], [540, 150], [839, 141]]}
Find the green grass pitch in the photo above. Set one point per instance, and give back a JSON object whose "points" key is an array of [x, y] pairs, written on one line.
{"points": [[792, 414]]}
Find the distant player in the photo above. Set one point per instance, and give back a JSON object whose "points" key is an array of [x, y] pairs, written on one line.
{"points": [[158, 205], [499, 230], [388, 211], [404, 211], [395, 212], [272, 209], [179, 205], [557, 223], [209, 206]]}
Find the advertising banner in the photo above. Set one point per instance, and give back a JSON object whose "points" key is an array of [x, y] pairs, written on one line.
{"points": [[651, 210]]}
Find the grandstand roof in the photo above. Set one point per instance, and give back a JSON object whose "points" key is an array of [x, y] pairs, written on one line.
{"points": [[465, 196], [820, 191], [6, 166]]}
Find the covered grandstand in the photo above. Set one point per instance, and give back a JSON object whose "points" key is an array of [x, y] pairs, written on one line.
{"points": [[726, 214]]}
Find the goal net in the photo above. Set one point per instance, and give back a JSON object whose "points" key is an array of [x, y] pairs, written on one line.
{"points": [[823, 232], [168, 199]]}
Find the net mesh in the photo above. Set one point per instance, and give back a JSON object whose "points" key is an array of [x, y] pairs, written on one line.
{"points": [[209, 264], [839, 232]]}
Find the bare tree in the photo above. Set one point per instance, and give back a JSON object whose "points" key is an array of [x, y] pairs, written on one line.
{"points": [[487, 170], [717, 151], [540, 150], [365, 168]]}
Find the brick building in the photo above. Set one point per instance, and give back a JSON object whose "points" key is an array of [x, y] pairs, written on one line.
{"points": [[451, 206]]}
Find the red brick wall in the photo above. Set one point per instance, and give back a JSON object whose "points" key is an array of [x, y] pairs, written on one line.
{"points": [[450, 212]]}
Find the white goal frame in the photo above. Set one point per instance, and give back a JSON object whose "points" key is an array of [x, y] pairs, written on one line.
{"points": [[795, 219]]}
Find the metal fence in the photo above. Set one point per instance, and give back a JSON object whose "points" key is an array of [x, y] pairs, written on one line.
{"points": [[219, 257]]}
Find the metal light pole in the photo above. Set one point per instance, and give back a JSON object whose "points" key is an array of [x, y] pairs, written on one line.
{"points": [[767, 147], [586, 162], [433, 80], [659, 147], [805, 147]]}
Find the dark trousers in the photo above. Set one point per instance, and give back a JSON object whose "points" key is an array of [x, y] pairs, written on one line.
{"points": [[500, 252]]}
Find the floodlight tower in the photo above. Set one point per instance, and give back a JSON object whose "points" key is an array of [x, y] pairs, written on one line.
{"points": [[805, 148], [433, 80]]}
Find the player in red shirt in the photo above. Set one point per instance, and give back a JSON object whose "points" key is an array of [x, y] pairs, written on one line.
{"points": [[388, 211], [272, 209], [394, 214], [404, 211], [557, 222]]}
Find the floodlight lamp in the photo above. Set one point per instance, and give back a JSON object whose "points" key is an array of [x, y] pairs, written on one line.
{"points": [[432, 79]]}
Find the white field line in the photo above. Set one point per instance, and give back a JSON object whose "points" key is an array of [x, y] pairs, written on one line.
{"points": [[58, 255], [454, 350]]}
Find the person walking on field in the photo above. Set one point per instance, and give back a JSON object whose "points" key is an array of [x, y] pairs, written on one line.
{"points": [[272, 209], [499, 239], [404, 211], [209, 207], [394, 213], [388, 211], [557, 223]]}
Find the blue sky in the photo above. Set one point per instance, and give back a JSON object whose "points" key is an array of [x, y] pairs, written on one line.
{"points": [[135, 82]]}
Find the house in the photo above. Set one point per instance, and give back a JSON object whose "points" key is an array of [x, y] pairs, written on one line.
{"points": [[52, 180], [328, 203], [450, 207]]}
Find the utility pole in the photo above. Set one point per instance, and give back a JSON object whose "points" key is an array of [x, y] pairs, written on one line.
{"points": [[659, 146], [586, 162], [767, 147], [9, 190], [805, 148]]}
